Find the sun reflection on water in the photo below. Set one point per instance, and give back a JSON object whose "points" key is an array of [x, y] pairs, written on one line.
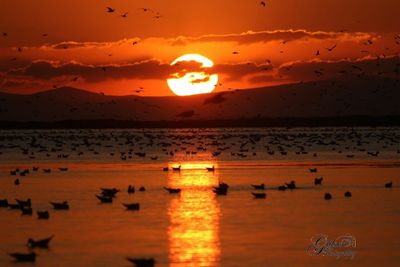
{"points": [[194, 217]]}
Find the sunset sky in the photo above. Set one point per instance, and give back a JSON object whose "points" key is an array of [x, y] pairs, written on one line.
{"points": [[46, 44]]}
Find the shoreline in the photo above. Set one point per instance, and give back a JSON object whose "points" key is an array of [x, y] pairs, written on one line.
{"points": [[290, 122]]}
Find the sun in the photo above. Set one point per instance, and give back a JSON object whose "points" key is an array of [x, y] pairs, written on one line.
{"points": [[192, 81]]}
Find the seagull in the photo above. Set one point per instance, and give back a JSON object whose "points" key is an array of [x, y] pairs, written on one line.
{"points": [[60, 205], [331, 48], [235, 52], [291, 185], [318, 73], [110, 9], [43, 243], [3, 203], [263, 3], [131, 206], [44, 215], [134, 43], [131, 189], [210, 169], [313, 169], [389, 185], [24, 257], [24, 203], [318, 181], [145, 9], [109, 192], [173, 190], [221, 189], [177, 168], [105, 199], [258, 186], [142, 189], [125, 15], [141, 262], [259, 195]]}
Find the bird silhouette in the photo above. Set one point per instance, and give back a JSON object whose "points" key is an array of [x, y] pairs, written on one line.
{"points": [[125, 15], [330, 49], [110, 9], [131, 206], [263, 3], [43, 243], [24, 257], [145, 9], [142, 262], [259, 195]]}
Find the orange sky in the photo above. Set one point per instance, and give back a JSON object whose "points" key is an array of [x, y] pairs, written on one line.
{"points": [[88, 48]]}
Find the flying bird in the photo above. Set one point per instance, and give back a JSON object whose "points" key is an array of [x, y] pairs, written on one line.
{"points": [[125, 15], [145, 9], [331, 48], [235, 52], [263, 3], [110, 9], [318, 73]]}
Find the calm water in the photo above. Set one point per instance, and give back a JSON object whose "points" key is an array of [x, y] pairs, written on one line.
{"points": [[196, 227]]}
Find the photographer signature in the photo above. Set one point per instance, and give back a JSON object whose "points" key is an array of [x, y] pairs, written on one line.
{"points": [[341, 247]]}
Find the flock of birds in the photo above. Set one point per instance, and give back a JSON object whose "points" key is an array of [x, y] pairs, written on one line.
{"points": [[155, 145], [107, 195], [55, 144]]}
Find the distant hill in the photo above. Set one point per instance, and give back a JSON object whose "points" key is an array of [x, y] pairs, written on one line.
{"points": [[354, 96]]}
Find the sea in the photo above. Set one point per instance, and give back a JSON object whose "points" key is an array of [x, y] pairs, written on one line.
{"points": [[197, 227]]}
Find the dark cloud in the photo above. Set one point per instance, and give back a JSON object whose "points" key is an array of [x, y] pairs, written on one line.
{"points": [[267, 36], [262, 79], [312, 70], [238, 71], [73, 44], [156, 70], [215, 99], [150, 69]]}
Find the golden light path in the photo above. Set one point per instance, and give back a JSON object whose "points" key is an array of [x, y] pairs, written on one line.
{"points": [[194, 217], [192, 83]]}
